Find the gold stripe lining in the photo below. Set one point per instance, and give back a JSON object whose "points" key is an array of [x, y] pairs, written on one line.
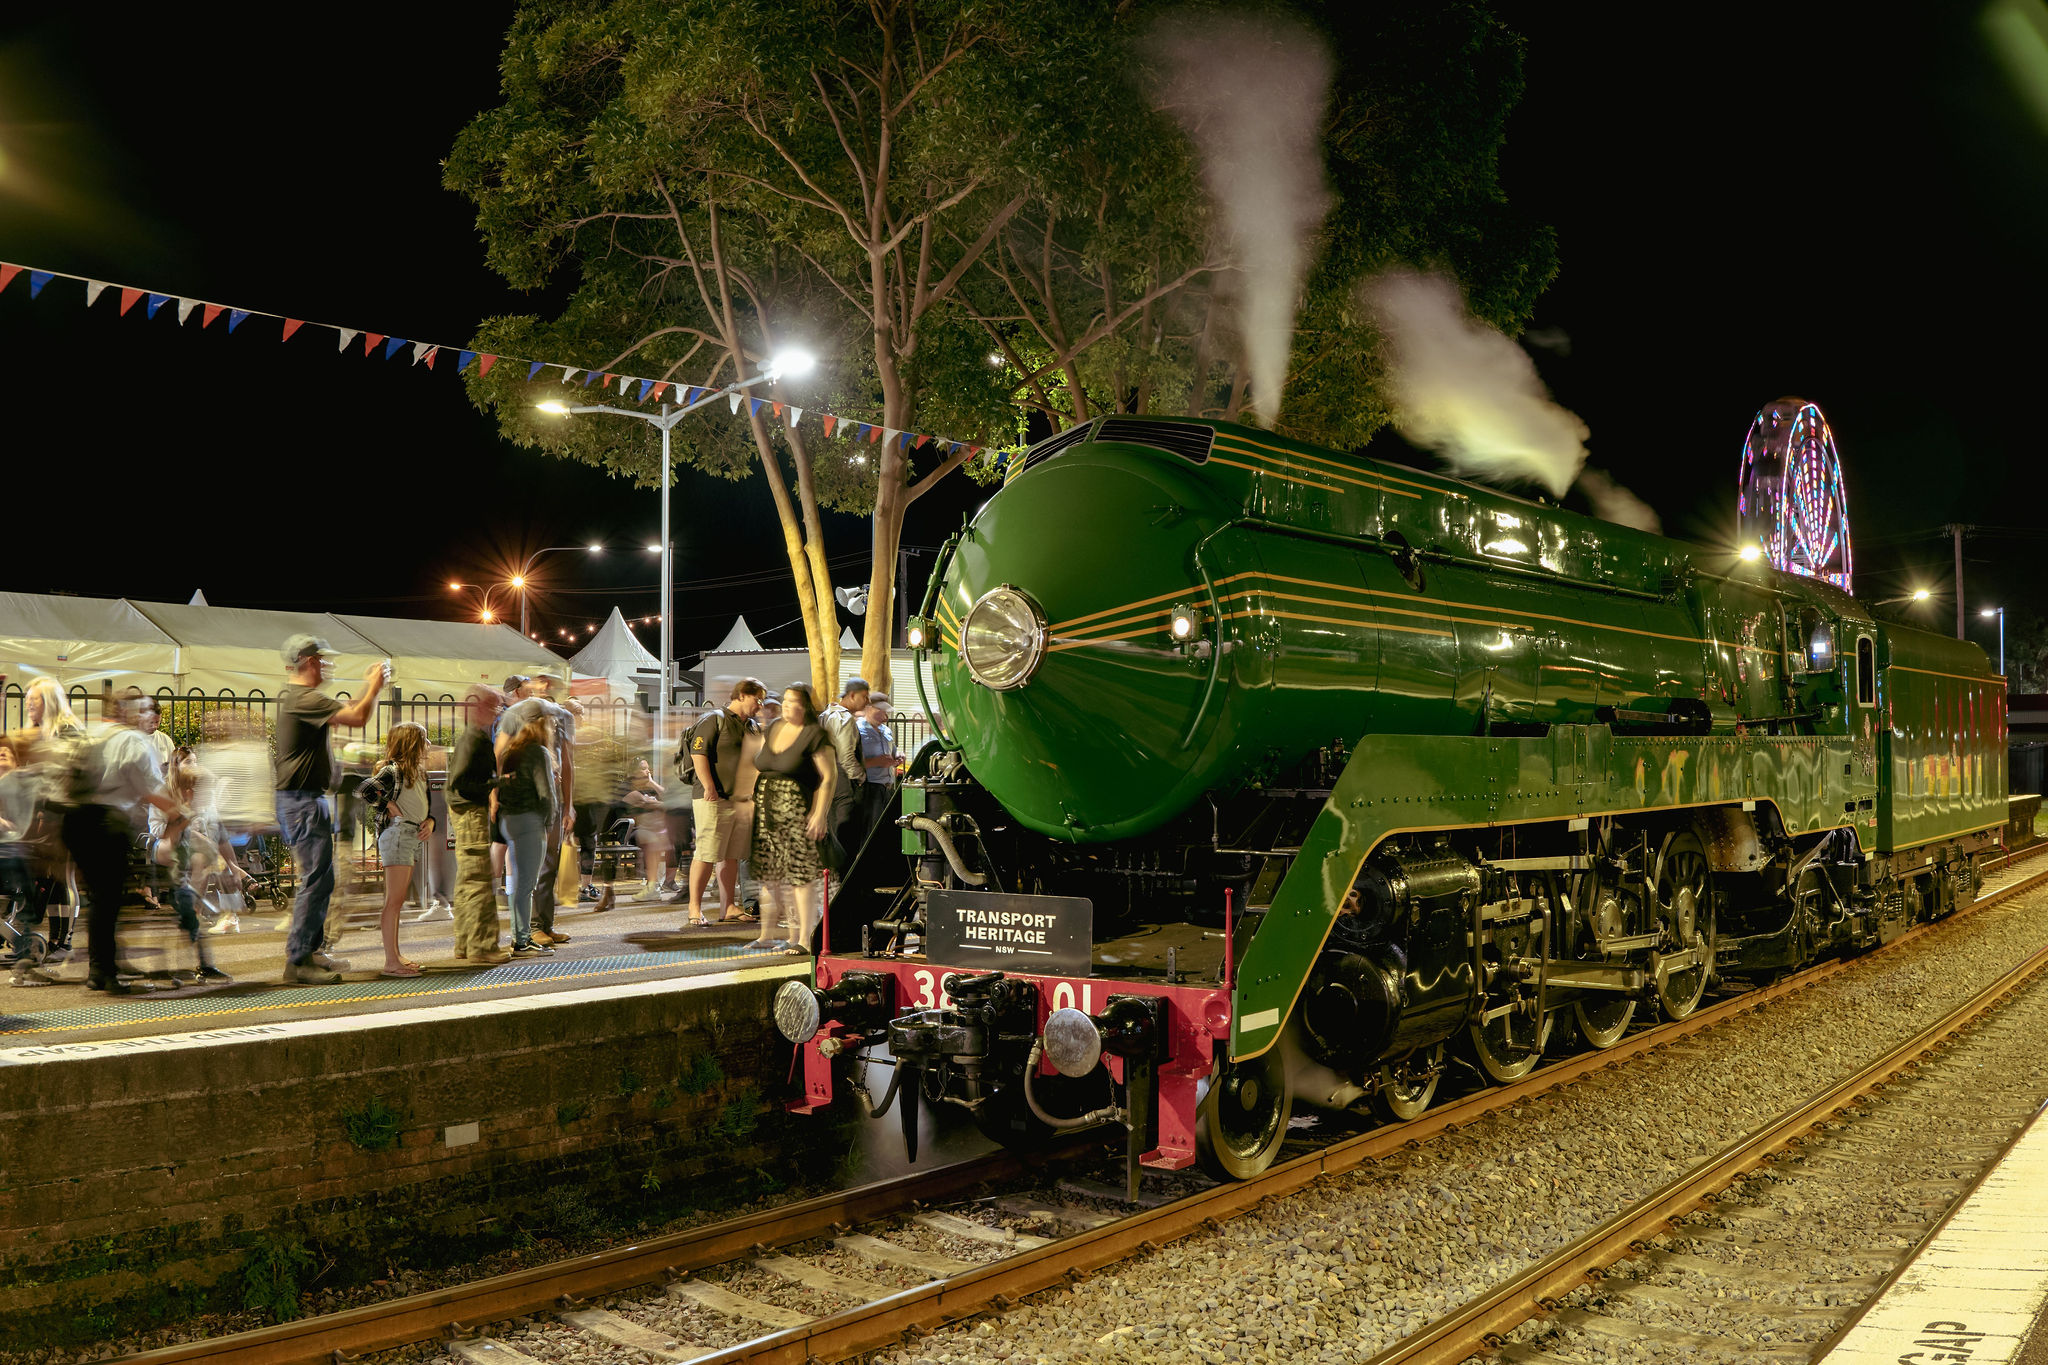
{"points": [[1992, 680], [1223, 438], [1311, 469], [1275, 474], [1128, 606]]}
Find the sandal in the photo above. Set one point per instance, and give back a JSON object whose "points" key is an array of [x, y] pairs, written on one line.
{"points": [[406, 970], [739, 917]]}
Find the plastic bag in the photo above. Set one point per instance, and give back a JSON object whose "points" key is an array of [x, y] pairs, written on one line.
{"points": [[568, 880]]}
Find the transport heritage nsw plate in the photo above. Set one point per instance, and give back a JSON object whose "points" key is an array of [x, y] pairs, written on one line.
{"points": [[996, 931]]}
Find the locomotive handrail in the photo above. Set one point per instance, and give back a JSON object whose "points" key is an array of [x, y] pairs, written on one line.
{"points": [[1216, 617], [931, 591]]}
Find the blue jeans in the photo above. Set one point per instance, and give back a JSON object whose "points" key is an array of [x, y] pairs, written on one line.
{"points": [[526, 848], [308, 830]]}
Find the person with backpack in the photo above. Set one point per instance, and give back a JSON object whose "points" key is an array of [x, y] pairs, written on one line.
{"points": [[111, 783], [305, 773]]}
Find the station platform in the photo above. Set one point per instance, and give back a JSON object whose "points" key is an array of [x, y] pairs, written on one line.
{"points": [[1977, 1291], [633, 943]]}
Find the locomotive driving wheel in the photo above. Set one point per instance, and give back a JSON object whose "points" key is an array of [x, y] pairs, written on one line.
{"points": [[1682, 905], [1243, 1117], [1508, 1046], [1602, 1021], [1408, 1084], [1603, 911]]}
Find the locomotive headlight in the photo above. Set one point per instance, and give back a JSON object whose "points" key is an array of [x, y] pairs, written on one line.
{"points": [[1073, 1044], [1003, 639]]}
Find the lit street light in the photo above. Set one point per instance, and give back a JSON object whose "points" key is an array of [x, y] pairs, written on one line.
{"points": [[1999, 612], [784, 364], [526, 569], [487, 613]]}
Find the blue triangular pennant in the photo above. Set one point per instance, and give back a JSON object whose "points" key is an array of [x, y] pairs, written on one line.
{"points": [[156, 301], [391, 346], [646, 387], [588, 376], [535, 369], [235, 316], [37, 279], [754, 405], [462, 360]]}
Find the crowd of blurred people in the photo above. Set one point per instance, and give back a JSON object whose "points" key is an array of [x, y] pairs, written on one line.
{"points": [[763, 797]]}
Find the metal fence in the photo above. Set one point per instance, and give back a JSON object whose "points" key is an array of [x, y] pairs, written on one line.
{"points": [[194, 716]]}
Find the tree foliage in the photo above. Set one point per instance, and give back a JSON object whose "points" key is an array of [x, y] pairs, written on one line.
{"points": [[918, 188]]}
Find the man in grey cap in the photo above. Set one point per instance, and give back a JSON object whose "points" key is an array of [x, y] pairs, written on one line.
{"points": [[305, 772]]}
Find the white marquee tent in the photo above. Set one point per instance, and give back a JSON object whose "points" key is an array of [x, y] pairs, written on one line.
{"points": [[87, 641], [616, 655]]}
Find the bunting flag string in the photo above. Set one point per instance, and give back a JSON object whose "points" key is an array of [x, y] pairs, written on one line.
{"points": [[633, 388]]}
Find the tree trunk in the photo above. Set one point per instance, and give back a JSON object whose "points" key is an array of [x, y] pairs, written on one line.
{"points": [[793, 546], [824, 655]]}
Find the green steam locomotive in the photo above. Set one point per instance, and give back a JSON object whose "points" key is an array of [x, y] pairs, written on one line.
{"points": [[1270, 775]]}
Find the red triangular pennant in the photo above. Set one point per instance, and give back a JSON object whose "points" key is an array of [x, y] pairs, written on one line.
{"points": [[921, 440], [209, 313], [290, 325], [371, 341], [874, 435], [432, 351], [777, 407], [484, 363], [129, 298], [829, 422], [7, 274]]}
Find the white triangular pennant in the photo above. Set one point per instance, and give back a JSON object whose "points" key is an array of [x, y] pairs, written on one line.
{"points": [[889, 436], [185, 307], [623, 381], [347, 334], [419, 351], [794, 413], [568, 373], [736, 402], [93, 290]]}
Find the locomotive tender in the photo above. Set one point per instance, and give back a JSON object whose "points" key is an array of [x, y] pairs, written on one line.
{"points": [[1270, 775]]}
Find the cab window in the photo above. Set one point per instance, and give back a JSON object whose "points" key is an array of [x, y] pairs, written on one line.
{"points": [[1866, 671]]}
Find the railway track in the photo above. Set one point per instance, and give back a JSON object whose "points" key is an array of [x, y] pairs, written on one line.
{"points": [[831, 1277]]}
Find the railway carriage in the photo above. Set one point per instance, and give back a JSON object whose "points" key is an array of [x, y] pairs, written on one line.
{"points": [[1269, 775]]}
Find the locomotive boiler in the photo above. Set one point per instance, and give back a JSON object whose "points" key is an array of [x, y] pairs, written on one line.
{"points": [[1272, 775]]}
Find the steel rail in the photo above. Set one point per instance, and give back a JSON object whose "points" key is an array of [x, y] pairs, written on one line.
{"points": [[455, 1308], [1472, 1329]]}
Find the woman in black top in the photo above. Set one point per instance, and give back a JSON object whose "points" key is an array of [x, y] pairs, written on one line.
{"points": [[792, 811]]}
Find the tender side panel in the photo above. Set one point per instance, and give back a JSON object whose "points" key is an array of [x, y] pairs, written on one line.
{"points": [[1942, 739]]}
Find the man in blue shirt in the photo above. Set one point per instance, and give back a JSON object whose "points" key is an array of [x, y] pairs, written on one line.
{"points": [[878, 757]]}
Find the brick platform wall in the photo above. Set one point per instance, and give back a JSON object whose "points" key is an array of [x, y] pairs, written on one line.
{"points": [[135, 1187]]}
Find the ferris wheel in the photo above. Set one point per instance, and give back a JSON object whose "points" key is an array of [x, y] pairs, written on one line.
{"points": [[1790, 499]]}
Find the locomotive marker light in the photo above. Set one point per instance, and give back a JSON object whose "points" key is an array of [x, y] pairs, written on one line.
{"points": [[1003, 639], [919, 633], [1187, 625]]}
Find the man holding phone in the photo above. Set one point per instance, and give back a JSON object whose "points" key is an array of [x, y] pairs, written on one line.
{"points": [[305, 773]]}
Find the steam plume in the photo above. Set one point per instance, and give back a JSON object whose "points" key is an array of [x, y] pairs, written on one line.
{"points": [[1465, 391], [1250, 95], [1612, 502]]}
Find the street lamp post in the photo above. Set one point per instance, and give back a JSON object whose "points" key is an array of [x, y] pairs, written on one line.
{"points": [[519, 579], [787, 363], [1999, 612], [486, 612]]}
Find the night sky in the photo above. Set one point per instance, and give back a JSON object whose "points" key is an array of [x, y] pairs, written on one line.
{"points": [[1747, 206]]}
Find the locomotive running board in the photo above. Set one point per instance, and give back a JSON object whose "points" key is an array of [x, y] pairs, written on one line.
{"points": [[1395, 784]]}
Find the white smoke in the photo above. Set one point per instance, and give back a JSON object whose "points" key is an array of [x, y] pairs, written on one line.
{"points": [[1462, 389], [1250, 94], [1612, 502]]}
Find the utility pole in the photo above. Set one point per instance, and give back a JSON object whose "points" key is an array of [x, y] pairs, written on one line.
{"points": [[1957, 530]]}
